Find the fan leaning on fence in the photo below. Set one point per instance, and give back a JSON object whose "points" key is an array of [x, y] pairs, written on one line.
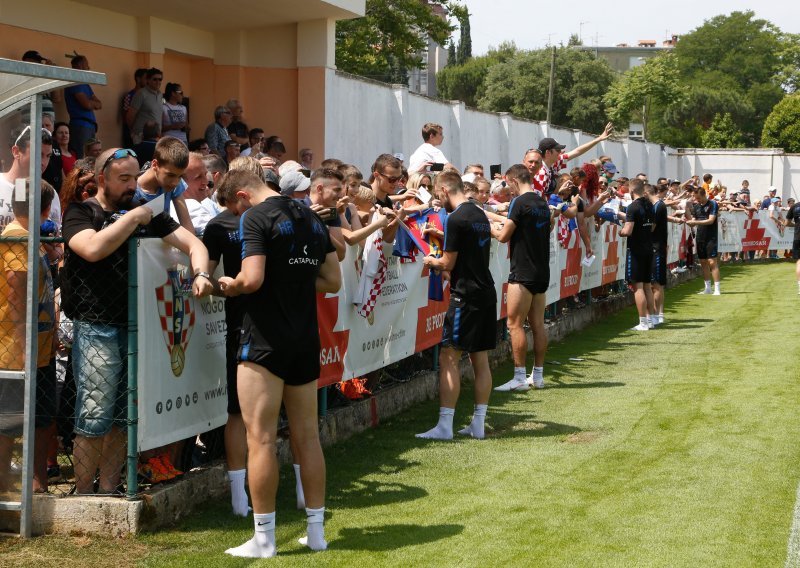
{"points": [[94, 289]]}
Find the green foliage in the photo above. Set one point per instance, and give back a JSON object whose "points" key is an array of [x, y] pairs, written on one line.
{"points": [[789, 56], [464, 51], [520, 85], [467, 82], [386, 42], [782, 126], [723, 133]]}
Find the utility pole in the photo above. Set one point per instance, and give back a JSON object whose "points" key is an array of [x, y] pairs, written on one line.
{"points": [[552, 86], [580, 31]]}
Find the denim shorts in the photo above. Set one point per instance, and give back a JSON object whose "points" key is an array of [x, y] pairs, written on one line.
{"points": [[100, 367]]}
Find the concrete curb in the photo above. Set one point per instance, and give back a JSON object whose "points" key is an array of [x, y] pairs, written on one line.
{"points": [[166, 504]]}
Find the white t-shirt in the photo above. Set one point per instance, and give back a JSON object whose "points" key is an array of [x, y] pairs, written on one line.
{"points": [[174, 114], [200, 212], [6, 195], [775, 211], [425, 153]]}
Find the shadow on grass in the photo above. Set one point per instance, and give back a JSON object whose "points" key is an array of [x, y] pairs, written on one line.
{"points": [[392, 537], [594, 385], [362, 493]]}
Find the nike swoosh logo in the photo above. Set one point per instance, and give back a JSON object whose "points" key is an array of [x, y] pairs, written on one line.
{"points": [[542, 224], [482, 242], [262, 524]]}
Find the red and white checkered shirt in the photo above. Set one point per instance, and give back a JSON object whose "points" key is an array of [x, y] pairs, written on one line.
{"points": [[541, 181]]}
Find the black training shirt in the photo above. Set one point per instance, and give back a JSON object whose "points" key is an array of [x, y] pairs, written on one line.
{"points": [[660, 234], [97, 292], [295, 242], [466, 231], [703, 212], [794, 216], [530, 242], [223, 240], [640, 213]]}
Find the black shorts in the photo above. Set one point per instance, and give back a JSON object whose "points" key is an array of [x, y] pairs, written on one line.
{"points": [[638, 267], [470, 325], [706, 249], [12, 400], [231, 363], [296, 367], [796, 248], [532, 287], [658, 273]]}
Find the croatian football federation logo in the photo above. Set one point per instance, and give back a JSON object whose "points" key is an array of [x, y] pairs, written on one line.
{"points": [[176, 313]]}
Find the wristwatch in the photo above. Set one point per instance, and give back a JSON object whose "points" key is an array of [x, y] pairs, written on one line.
{"points": [[205, 275]]}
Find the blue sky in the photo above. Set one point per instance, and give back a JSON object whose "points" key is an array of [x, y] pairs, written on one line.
{"points": [[609, 23]]}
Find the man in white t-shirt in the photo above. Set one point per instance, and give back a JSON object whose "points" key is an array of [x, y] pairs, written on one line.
{"points": [[428, 153], [20, 169], [197, 195]]}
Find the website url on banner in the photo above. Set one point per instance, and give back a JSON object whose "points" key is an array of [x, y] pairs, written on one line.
{"points": [[187, 400]]}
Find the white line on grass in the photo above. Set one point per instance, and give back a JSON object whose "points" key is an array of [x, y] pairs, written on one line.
{"points": [[793, 553]]}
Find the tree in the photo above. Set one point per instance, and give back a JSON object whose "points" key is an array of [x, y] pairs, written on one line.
{"points": [[645, 89], [723, 133], [451, 54], [520, 85], [467, 82], [464, 52], [742, 58], [388, 40], [782, 126]]}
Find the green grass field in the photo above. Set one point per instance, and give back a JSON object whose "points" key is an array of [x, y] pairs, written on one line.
{"points": [[677, 447]]}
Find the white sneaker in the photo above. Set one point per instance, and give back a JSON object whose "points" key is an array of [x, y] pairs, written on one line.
{"points": [[513, 385], [650, 324], [681, 269], [536, 383], [717, 293], [706, 291], [641, 327]]}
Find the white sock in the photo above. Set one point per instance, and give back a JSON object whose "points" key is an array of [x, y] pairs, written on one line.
{"points": [[476, 427], [444, 429], [661, 317], [262, 545], [298, 487], [315, 540], [239, 501], [716, 286], [519, 374], [708, 284], [643, 321], [538, 373]]}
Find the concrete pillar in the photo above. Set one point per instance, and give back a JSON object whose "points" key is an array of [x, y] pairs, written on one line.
{"points": [[458, 109], [506, 126], [400, 131], [316, 60]]}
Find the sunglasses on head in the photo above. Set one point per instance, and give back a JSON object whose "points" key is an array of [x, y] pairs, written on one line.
{"points": [[28, 129], [118, 155]]}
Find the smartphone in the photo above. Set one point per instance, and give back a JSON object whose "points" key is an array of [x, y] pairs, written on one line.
{"points": [[494, 170], [424, 195], [437, 167], [306, 172]]}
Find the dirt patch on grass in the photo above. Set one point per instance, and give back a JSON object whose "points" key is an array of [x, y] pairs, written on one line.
{"points": [[584, 437], [58, 551]]}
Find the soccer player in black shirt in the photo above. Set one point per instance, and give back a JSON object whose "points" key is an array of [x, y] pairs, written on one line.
{"points": [[287, 257], [471, 318], [224, 243], [703, 214], [658, 278], [793, 220], [639, 230], [528, 230]]}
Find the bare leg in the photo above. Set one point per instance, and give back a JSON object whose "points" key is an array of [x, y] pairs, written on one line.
{"points": [[648, 293], [86, 456], [301, 408], [640, 296], [111, 460], [519, 304], [713, 266], [483, 376], [41, 448], [536, 321], [235, 442], [449, 377], [658, 297], [260, 394], [706, 270]]}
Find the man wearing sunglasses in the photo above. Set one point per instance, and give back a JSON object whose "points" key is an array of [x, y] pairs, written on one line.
{"points": [[386, 172], [20, 169], [94, 290]]}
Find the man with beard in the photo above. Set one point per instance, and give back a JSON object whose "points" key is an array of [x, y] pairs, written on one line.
{"points": [[95, 297], [470, 322]]}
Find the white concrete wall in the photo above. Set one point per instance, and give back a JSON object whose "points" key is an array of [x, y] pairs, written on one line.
{"points": [[365, 119]]}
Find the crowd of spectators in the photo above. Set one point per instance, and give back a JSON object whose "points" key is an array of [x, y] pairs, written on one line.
{"points": [[95, 193]]}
